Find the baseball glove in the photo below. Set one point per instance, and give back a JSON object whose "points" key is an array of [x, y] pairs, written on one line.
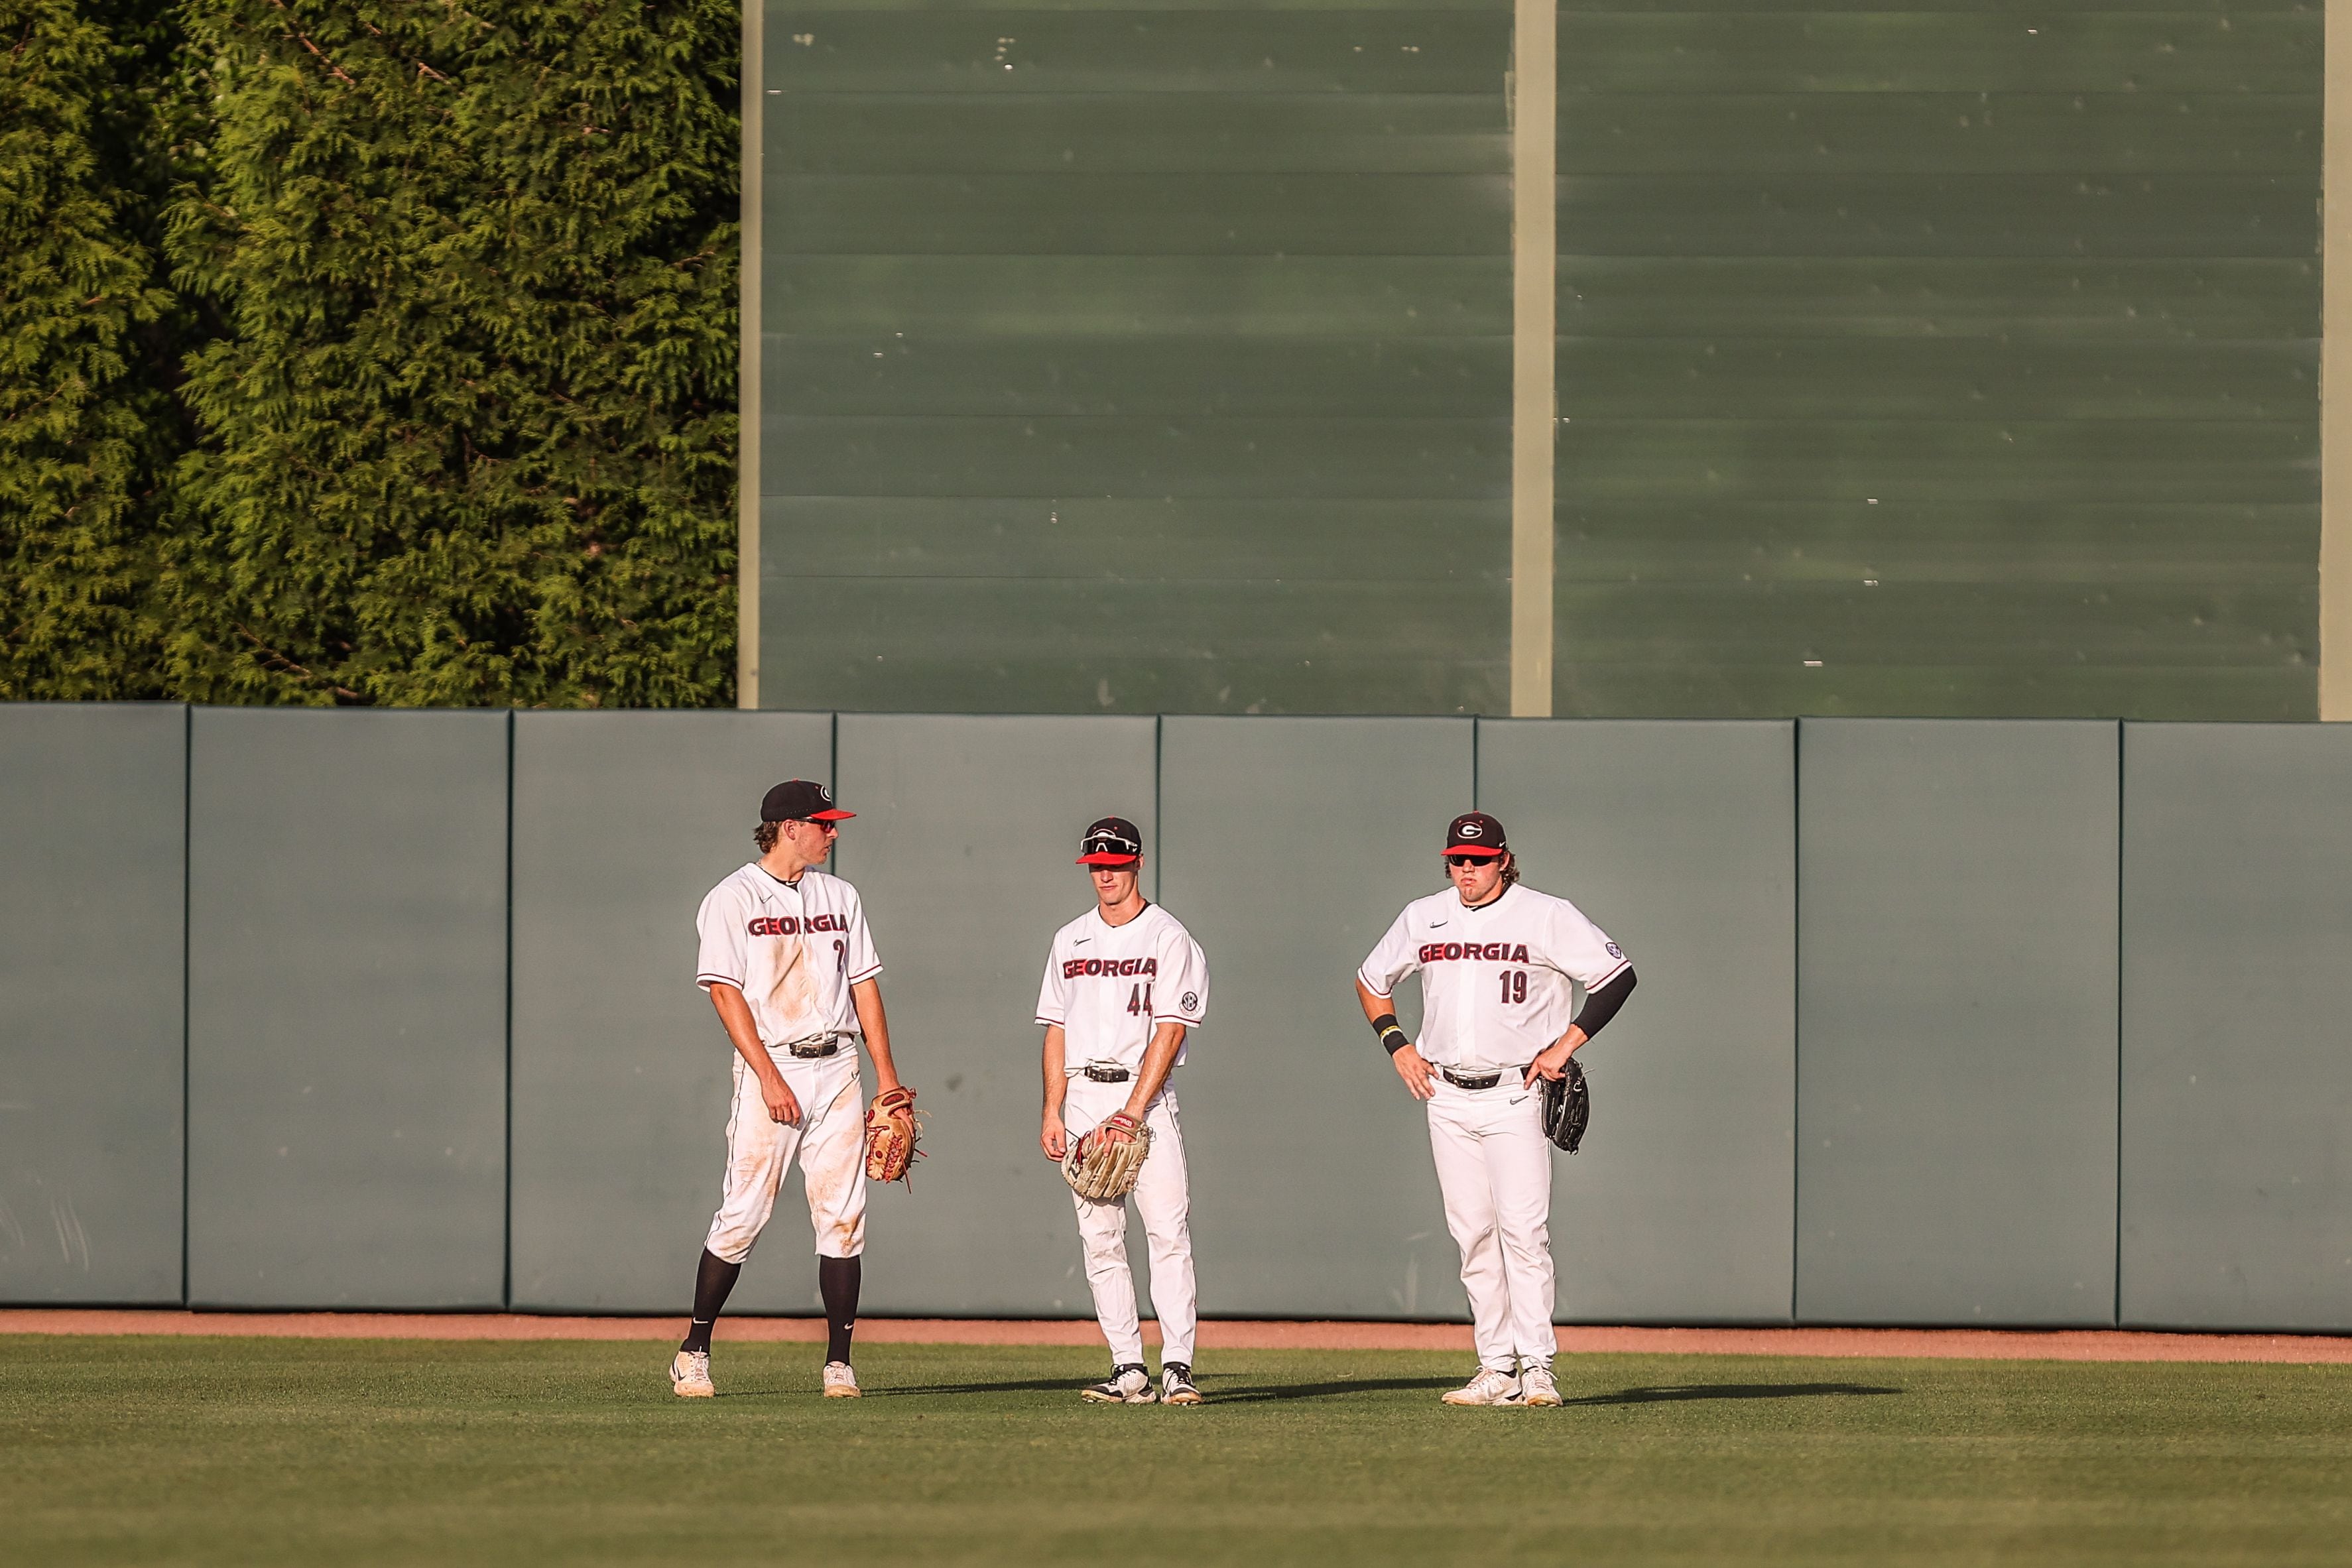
{"points": [[1567, 1107], [892, 1136], [1105, 1168]]}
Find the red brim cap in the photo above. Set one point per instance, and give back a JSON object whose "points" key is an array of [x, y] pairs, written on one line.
{"points": [[1483, 851], [831, 816], [1102, 859]]}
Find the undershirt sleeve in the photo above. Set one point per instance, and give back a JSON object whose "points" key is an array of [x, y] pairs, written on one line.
{"points": [[1600, 1003]]}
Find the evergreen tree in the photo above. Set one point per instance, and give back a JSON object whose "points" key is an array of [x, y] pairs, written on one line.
{"points": [[470, 436], [87, 339]]}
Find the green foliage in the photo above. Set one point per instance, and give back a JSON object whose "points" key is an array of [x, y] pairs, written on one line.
{"points": [[84, 422], [470, 433]]}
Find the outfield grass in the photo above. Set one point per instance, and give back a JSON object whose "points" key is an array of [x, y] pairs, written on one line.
{"points": [[311, 1452]]}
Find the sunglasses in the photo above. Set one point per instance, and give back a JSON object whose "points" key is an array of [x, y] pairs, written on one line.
{"points": [[1459, 862]]}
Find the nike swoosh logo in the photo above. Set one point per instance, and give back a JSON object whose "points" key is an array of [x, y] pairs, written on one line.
{"points": [[1435, 924], [1081, 941]]}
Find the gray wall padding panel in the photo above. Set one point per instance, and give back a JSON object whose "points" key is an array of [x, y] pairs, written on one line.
{"points": [[622, 822], [1955, 1007], [964, 850], [2237, 1084], [1290, 845], [347, 1009], [1678, 838], [340, 883], [92, 847]]}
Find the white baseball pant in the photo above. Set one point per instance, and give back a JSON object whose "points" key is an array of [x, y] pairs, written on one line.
{"points": [[830, 1139], [1494, 1169], [1163, 1197]]}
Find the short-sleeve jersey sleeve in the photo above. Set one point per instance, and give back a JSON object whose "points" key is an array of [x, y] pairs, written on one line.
{"points": [[725, 955], [1582, 950], [1053, 992], [863, 962], [1391, 960], [1181, 993]]}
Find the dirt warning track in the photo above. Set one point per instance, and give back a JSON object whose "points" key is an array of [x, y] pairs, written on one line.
{"points": [[1964, 1345]]}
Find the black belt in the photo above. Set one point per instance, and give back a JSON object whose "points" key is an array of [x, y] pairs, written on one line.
{"points": [[1106, 1074], [1478, 1080], [812, 1050]]}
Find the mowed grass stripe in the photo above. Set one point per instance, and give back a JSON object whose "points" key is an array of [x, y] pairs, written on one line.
{"points": [[293, 1451]]}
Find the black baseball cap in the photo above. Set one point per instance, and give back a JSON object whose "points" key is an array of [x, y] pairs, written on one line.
{"points": [[798, 800], [1113, 841], [1475, 833]]}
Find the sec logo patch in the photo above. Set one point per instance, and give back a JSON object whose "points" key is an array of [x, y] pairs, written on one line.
{"points": [[1191, 999], [1615, 950]]}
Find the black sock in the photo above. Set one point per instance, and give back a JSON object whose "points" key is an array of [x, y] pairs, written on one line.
{"points": [[836, 1277], [712, 1280]]}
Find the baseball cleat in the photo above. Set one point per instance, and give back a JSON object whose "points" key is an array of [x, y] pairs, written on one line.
{"points": [[689, 1375], [1536, 1386], [1129, 1384], [1176, 1384], [840, 1382], [1491, 1386]]}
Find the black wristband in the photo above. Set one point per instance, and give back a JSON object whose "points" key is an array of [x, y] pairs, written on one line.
{"points": [[1385, 1026]]}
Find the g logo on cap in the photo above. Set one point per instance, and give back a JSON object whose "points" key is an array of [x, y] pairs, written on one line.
{"points": [[1477, 834]]}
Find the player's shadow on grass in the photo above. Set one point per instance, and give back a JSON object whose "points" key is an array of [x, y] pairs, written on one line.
{"points": [[1328, 1390], [1228, 1396], [1025, 1385], [1672, 1393], [1218, 1393]]}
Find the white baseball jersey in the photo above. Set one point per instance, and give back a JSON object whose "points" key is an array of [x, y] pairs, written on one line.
{"points": [[792, 949], [1109, 987], [1494, 989]]}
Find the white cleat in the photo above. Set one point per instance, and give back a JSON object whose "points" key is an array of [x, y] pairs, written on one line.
{"points": [[1127, 1385], [840, 1383], [1536, 1386], [1491, 1386], [689, 1375], [1176, 1384]]}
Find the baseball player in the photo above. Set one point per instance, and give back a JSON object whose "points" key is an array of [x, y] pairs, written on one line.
{"points": [[1124, 983], [1497, 962], [791, 967]]}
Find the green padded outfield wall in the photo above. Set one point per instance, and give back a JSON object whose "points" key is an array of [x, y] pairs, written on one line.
{"points": [[93, 845], [1957, 1021], [2236, 1201], [1923, 357], [347, 1007], [1136, 356]]}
